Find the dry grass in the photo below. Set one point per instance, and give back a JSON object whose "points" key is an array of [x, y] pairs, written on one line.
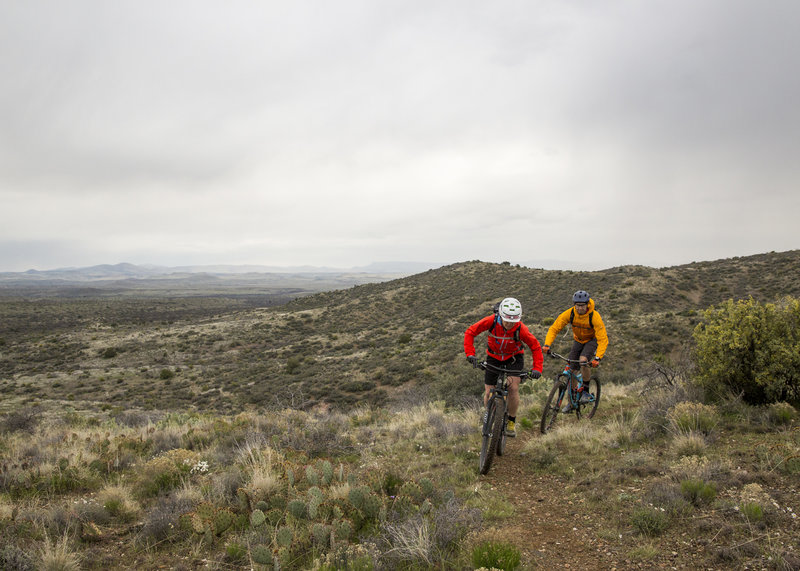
{"points": [[58, 555]]}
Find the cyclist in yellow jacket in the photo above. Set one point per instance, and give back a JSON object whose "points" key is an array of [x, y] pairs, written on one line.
{"points": [[590, 339]]}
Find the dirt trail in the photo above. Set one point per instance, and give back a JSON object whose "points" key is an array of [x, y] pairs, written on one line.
{"points": [[555, 530]]}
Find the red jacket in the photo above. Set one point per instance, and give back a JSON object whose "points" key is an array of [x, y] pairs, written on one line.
{"points": [[502, 344]]}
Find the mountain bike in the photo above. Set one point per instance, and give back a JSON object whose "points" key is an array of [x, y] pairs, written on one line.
{"points": [[563, 392], [496, 416]]}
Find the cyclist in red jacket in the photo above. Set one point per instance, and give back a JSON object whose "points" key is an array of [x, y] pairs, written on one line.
{"points": [[507, 334]]}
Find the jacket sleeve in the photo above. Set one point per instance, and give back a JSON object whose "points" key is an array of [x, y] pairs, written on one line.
{"points": [[559, 324], [473, 330], [600, 334], [536, 349]]}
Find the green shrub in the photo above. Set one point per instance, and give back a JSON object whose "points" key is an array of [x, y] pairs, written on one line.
{"points": [[752, 511], [781, 414], [698, 492], [650, 521], [751, 349], [688, 417], [166, 374], [495, 555], [293, 365], [109, 353]]}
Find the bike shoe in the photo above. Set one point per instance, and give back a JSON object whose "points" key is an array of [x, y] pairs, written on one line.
{"points": [[585, 397], [510, 432], [567, 408]]}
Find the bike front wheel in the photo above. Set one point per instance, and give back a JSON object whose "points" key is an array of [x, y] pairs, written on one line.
{"points": [[487, 452], [501, 444], [587, 410], [553, 404]]}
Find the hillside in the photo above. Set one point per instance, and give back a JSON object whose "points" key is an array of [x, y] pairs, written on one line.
{"points": [[200, 432], [377, 342]]}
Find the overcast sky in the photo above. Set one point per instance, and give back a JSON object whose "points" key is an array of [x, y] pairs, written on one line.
{"points": [[344, 132]]}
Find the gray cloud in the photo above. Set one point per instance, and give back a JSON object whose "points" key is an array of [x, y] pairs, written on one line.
{"points": [[357, 131]]}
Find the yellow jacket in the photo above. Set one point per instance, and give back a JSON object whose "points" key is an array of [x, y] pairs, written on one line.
{"points": [[582, 330]]}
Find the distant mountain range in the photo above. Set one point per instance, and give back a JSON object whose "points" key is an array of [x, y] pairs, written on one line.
{"points": [[124, 271]]}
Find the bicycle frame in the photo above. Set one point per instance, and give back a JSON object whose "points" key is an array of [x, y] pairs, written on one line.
{"points": [[563, 388], [494, 426]]}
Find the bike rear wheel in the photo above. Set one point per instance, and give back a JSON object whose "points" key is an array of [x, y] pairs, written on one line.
{"points": [[588, 409], [487, 450], [552, 406]]}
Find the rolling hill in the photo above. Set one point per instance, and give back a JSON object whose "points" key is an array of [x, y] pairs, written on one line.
{"points": [[396, 340]]}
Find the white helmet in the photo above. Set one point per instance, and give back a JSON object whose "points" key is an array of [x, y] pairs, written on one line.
{"points": [[510, 310]]}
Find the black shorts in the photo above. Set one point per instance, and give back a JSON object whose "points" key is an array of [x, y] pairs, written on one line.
{"points": [[588, 350], [515, 363]]}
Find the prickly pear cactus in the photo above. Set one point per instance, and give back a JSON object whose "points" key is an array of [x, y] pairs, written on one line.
{"points": [[284, 537], [427, 487], [278, 500], [374, 480], [298, 509], [244, 499], [321, 534], [312, 476], [206, 510], [199, 523], [261, 554], [290, 476], [327, 472], [274, 517], [402, 504], [356, 496], [257, 518], [343, 529], [222, 520], [413, 491], [372, 506], [312, 508]]}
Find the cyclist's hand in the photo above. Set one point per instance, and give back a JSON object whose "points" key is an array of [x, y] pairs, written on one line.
{"points": [[473, 360], [595, 362], [546, 349], [534, 374]]}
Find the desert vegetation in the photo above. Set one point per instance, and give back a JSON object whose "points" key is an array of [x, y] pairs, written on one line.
{"points": [[340, 430]]}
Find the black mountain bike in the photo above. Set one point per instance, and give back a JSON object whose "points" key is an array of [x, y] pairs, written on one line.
{"points": [[563, 393], [496, 416]]}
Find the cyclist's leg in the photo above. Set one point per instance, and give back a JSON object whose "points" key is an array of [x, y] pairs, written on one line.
{"points": [[574, 355], [517, 363], [588, 351], [489, 379], [513, 395]]}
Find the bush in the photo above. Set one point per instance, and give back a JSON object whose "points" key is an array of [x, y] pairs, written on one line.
{"points": [[495, 555], [698, 492], [688, 417], [781, 414], [751, 349], [650, 521]]}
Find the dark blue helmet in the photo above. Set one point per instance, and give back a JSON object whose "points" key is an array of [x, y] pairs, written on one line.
{"points": [[580, 296]]}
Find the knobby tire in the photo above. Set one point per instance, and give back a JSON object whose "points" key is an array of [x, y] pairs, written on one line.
{"points": [[501, 444], [487, 451], [552, 407], [587, 410]]}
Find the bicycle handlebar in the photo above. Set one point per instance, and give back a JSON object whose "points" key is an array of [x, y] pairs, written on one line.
{"points": [[554, 355], [509, 372]]}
